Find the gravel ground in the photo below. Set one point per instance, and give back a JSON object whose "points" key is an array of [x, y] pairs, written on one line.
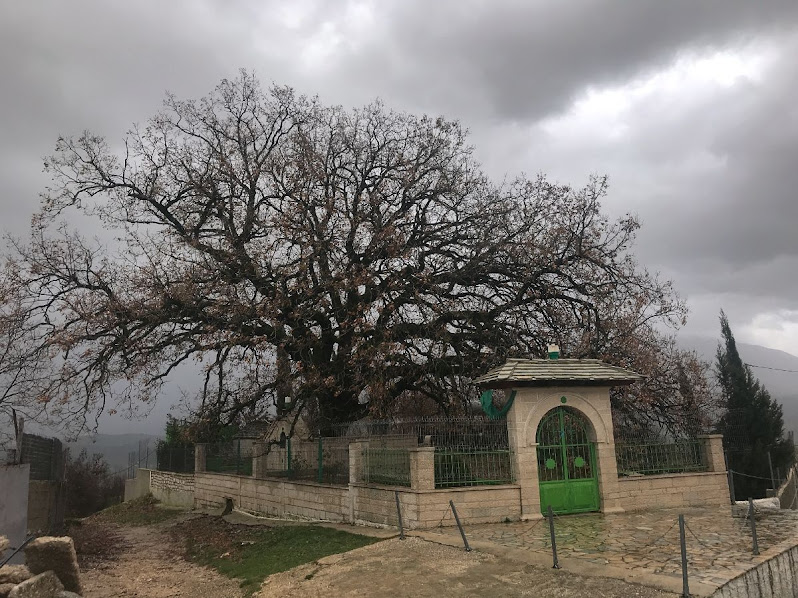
{"points": [[150, 565]]}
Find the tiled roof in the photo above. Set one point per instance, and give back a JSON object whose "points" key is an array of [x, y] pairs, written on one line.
{"points": [[551, 372]]}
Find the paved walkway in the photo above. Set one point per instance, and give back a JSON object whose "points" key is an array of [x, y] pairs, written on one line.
{"points": [[719, 546]]}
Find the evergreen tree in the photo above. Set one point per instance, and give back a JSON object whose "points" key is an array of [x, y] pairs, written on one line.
{"points": [[752, 423]]}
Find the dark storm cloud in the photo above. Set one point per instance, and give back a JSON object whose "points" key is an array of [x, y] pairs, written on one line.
{"points": [[735, 226], [713, 178], [522, 60]]}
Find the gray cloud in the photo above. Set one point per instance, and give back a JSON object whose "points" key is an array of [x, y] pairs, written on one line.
{"points": [[526, 59], [710, 172]]}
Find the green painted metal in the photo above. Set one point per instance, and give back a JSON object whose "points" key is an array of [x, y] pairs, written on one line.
{"points": [[486, 400], [566, 463]]}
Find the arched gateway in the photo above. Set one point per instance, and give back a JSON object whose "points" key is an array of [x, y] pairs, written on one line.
{"points": [[566, 457], [560, 432]]}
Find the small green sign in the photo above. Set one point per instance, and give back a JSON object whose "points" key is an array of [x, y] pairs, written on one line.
{"points": [[563, 400]]}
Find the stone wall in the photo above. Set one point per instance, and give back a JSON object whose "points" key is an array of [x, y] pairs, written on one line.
{"points": [[357, 503], [673, 490], [172, 489], [138, 486], [273, 497], [43, 506], [777, 577], [14, 505]]}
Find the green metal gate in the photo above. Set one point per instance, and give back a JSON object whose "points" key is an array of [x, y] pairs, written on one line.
{"points": [[566, 463]]}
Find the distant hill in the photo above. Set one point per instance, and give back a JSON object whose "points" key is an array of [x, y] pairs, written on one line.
{"points": [[783, 386], [115, 448]]}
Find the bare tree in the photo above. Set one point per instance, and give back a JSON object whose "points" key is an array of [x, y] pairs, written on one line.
{"points": [[344, 258]]}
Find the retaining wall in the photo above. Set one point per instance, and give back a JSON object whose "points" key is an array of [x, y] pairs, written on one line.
{"points": [[775, 578], [673, 490], [357, 503], [43, 507], [138, 486], [172, 489], [14, 505]]}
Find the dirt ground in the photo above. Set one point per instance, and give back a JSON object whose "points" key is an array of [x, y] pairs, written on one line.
{"points": [[139, 562], [417, 568], [148, 564]]}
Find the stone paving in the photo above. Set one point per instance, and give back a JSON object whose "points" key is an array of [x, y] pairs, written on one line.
{"points": [[719, 546]]}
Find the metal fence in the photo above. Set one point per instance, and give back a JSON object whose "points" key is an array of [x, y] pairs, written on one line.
{"points": [[233, 457], [469, 451], [324, 460], [456, 469], [177, 459], [45, 457], [652, 457], [386, 466]]}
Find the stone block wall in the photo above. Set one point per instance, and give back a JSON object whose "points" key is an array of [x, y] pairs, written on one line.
{"points": [[138, 486], [776, 577], [273, 497], [480, 504], [673, 490], [43, 507], [172, 489]]}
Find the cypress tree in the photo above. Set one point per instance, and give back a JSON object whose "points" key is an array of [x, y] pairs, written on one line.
{"points": [[752, 423]]}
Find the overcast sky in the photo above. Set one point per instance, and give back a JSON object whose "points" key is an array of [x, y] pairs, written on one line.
{"points": [[689, 106]]}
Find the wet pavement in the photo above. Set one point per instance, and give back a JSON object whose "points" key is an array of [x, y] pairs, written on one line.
{"points": [[719, 546]]}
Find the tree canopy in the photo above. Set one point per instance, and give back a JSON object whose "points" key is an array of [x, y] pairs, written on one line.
{"points": [[752, 423], [347, 260]]}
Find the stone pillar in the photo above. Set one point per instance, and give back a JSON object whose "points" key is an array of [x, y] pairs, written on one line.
{"points": [[422, 468], [525, 469], [259, 456], [199, 458], [609, 490], [356, 460], [712, 450], [524, 453]]}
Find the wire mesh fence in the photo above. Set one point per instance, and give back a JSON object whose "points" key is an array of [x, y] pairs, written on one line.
{"points": [[324, 460], [233, 457], [469, 451], [177, 459], [386, 466], [653, 458], [457, 469]]}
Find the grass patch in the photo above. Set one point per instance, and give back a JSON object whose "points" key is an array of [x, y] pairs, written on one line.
{"points": [[137, 512], [252, 553]]}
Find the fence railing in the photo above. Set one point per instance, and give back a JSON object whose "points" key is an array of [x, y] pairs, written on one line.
{"points": [[177, 459], [229, 457], [324, 460], [462, 468], [386, 466], [653, 458]]}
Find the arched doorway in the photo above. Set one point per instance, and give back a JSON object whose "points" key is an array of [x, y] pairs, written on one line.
{"points": [[567, 463]]}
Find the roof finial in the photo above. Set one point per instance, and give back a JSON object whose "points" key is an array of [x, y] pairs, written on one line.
{"points": [[554, 352]]}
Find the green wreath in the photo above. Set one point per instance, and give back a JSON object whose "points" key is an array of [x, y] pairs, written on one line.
{"points": [[490, 409]]}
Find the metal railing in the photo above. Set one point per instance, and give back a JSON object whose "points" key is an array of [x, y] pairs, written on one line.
{"points": [[469, 451], [324, 460], [653, 458], [233, 457], [386, 466], [462, 468], [177, 459]]}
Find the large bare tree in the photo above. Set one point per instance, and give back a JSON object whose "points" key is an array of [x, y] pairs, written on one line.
{"points": [[344, 258]]}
